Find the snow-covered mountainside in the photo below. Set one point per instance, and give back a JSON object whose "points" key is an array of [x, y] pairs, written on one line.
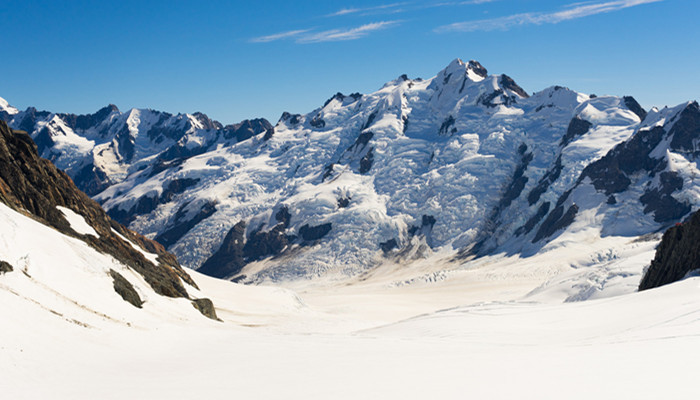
{"points": [[55, 242], [100, 149], [461, 165]]}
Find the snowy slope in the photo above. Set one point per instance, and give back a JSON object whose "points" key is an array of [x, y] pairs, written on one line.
{"points": [[62, 280], [464, 164], [445, 340]]}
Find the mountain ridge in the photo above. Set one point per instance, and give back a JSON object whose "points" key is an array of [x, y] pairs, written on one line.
{"points": [[33, 187], [464, 161]]}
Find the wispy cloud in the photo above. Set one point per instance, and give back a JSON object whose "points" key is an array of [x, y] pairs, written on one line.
{"points": [[572, 11], [366, 10], [331, 35], [407, 6], [475, 2], [335, 35], [280, 36], [458, 3]]}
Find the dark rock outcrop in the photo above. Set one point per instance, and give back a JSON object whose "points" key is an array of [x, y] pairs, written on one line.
{"points": [[487, 99], [313, 233], [206, 307], [230, 258], [86, 121], [292, 119], [635, 107], [677, 255], [369, 121], [247, 129], [517, 182], [659, 200], [389, 245], [577, 127], [125, 289], [366, 161], [550, 177], [425, 228], [556, 220], [181, 225], [147, 203], [534, 220], [512, 191], [5, 267], [686, 131], [478, 68], [508, 83], [237, 251], [362, 140], [610, 174], [341, 97], [446, 125], [317, 122], [91, 179], [262, 244]]}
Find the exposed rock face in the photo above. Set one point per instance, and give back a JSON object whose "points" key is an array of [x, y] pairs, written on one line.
{"points": [[659, 200], [237, 250], [577, 127], [685, 130], [182, 224], [144, 205], [5, 267], [125, 289], [446, 125], [366, 161], [247, 129], [611, 173], [91, 180], [517, 183], [33, 185], [677, 255], [478, 68], [313, 233], [389, 245], [508, 83], [317, 122], [206, 307], [632, 104], [550, 177], [556, 220], [534, 220], [230, 258]]}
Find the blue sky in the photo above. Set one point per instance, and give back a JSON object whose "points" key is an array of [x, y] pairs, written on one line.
{"points": [[234, 59]]}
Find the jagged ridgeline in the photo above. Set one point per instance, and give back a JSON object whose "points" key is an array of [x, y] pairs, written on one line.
{"points": [[35, 187], [466, 161]]}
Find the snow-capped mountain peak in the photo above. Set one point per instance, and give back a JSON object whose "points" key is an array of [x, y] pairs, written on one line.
{"points": [[6, 108]]}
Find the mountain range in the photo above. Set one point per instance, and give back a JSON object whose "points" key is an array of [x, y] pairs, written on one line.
{"points": [[459, 166]]}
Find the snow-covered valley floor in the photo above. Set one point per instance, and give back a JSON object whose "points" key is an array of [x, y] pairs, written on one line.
{"points": [[362, 342], [563, 324]]}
